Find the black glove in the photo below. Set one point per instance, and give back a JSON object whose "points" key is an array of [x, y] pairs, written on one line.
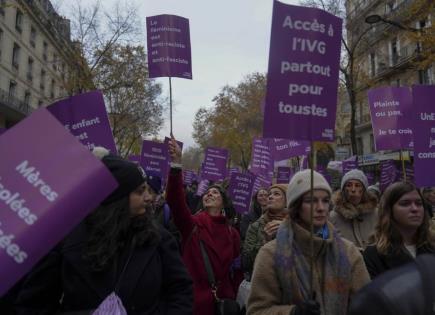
{"points": [[309, 307]]}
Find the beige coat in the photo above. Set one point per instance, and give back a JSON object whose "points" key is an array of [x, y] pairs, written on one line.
{"points": [[266, 295], [354, 223]]}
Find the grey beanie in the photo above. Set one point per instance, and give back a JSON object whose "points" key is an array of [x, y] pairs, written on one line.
{"points": [[357, 175], [301, 183]]}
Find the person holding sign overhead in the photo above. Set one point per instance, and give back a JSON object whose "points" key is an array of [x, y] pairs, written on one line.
{"points": [[116, 258], [281, 281], [210, 244]]}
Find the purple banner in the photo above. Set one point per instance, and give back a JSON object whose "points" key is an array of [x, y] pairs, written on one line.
{"points": [[154, 157], [261, 182], [409, 169], [370, 177], [261, 159], [233, 170], [349, 164], [85, 116], [188, 177], [240, 191], [283, 175], [45, 190], [168, 41], [424, 135], [283, 149], [388, 174], [302, 77], [214, 166], [391, 113], [202, 187], [303, 162], [2, 130]]}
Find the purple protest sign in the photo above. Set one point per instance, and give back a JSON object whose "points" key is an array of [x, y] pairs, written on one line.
{"points": [[409, 170], [45, 190], [303, 162], [188, 177], [350, 164], [233, 170], [283, 175], [388, 173], [168, 41], [134, 158], [261, 160], [215, 164], [370, 177], [261, 182], [2, 130], [302, 76], [240, 191], [391, 114], [85, 116], [154, 157], [424, 135], [202, 187], [282, 149]]}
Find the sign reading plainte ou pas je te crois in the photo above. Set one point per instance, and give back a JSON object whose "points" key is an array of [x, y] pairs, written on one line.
{"points": [[302, 79]]}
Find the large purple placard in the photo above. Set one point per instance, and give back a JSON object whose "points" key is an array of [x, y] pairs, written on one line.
{"points": [[240, 191], [168, 41], [302, 77], [189, 176], [214, 167], [283, 175], [424, 134], [261, 159], [388, 174], [45, 190], [85, 116], [391, 113], [282, 149], [350, 164], [154, 157]]}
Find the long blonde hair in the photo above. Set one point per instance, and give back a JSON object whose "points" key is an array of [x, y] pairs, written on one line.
{"points": [[387, 237]]}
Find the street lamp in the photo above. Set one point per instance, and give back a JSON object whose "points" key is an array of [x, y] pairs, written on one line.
{"points": [[375, 18]]}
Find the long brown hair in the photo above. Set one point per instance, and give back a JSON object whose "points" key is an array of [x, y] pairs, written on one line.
{"points": [[387, 237]]}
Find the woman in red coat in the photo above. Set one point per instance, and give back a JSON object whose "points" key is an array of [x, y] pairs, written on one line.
{"points": [[211, 226]]}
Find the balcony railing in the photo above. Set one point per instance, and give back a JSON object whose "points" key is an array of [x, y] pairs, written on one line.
{"points": [[14, 103]]}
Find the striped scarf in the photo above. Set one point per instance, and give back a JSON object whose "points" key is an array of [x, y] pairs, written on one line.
{"points": [[331, 283]]}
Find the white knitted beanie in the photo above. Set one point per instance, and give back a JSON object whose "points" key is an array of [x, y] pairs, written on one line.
{"points": [[356, 175], [300, 184]]}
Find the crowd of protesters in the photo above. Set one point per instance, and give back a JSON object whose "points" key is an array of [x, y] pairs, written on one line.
{"points": [[302, 249]]}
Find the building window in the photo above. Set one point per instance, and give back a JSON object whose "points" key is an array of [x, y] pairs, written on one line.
{"points": [[425, 76], [398, 82], [12, 89], [30, 70], [32, 36], [1, 42], [372, 143], [359, 146], [372, 60], [39, 103], [2, 7], [16, 56], [54, 62], [42, 83], [390, 6], [394, 51], [52, 88], [27, 98], [19, 21], [44, 51]]}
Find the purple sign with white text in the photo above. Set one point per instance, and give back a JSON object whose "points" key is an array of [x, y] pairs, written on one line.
{"points": [[154, 157], [188, 177], [240, 191], [424, 134], [283, 175], [85, 116], [283, 149], [350, 164], [233, 170], [261, 159], [45, 190], [391, 113], [388, 174], [214, 166], [202, 187], [168, 41], [302, 77], [261, 182]]}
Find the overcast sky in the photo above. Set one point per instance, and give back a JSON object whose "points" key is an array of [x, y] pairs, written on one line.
{"points": [[229, 39]]}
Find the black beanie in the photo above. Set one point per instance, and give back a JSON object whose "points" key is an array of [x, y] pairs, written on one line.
{"points": [[129, 175]]}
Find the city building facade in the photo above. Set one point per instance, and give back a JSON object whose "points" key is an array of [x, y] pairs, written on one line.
{"points": [[386, 54], [36, 55]]}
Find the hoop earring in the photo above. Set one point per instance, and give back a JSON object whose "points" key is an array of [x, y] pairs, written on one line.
{"points": [[223, 212]]}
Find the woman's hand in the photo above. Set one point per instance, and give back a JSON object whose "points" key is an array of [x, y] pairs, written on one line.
{"points": [[174, 150], [271, 228]]}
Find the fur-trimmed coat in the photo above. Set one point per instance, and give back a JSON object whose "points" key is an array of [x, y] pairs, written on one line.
{"points": [[354, 223]]}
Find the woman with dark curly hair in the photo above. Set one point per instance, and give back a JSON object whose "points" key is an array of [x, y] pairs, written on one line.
{"points": [[403, 230], [116, 249], [210, 228]]}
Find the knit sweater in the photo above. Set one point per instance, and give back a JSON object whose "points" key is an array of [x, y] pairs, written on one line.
{"points": [[354, 223], [267, 296], [222, 243]]}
